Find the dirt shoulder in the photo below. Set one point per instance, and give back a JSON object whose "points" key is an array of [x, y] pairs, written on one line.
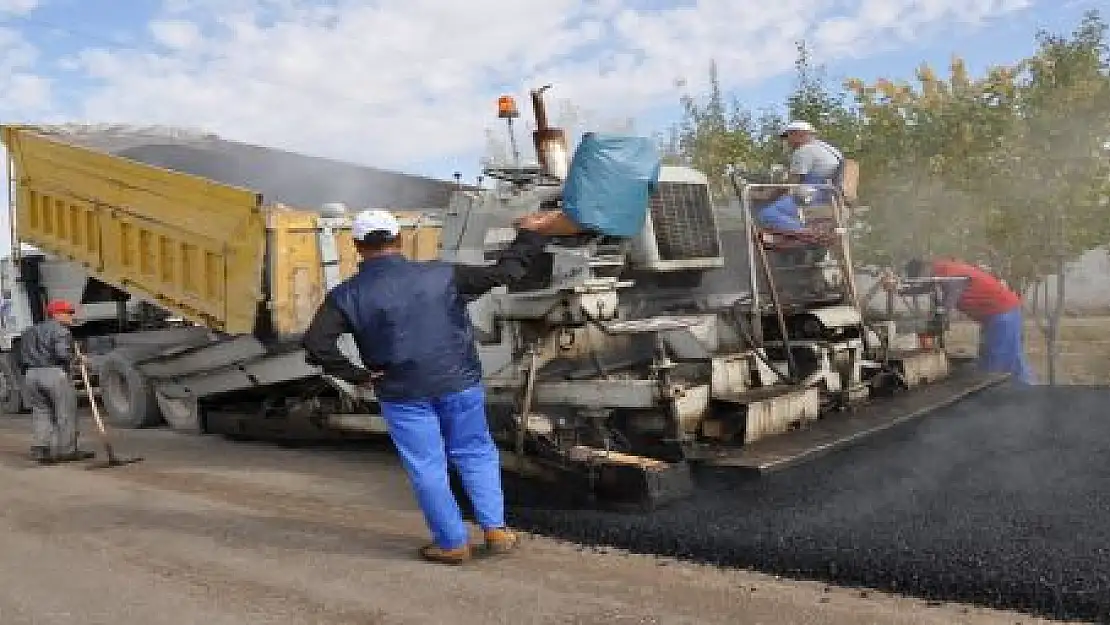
{"points": [[1084, 349]]}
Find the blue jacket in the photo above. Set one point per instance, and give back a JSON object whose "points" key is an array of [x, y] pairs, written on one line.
{"points": [[410, 322]]}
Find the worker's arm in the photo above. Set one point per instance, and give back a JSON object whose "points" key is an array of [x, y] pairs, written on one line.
{"points": [[951, 291], [61, 344], [321, 344], [472, 281], [918, 286], [779, 191], [802, 161], [917, 289]]}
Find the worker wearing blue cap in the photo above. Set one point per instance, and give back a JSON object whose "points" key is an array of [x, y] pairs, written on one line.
{"points": [[410, 323]]}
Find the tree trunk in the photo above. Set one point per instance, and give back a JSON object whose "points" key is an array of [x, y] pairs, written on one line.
{"points": [[1052, 334], [1033, 299]]}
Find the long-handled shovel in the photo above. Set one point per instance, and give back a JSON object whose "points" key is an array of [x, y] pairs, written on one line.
{"points": [[113, 459]]}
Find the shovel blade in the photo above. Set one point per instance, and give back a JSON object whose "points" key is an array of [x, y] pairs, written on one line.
{"points": [[113, 461]]}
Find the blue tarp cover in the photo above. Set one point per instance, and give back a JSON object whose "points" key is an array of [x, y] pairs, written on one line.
{"points": [[609, 182]]}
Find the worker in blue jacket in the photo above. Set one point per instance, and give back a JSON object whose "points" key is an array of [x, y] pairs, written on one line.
{"points": [[414, 336]]}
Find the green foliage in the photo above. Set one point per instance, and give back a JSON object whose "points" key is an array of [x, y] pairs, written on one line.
{"points": [[814, 101], [1058, 145], [716, 133], [1008, 169]]}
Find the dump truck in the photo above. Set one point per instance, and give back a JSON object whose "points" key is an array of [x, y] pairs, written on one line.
{"points": [[612, 370], [200, 279]]}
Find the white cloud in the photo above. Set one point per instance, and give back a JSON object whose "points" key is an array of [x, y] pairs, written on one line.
{"points": [[23, 91], [175, 34], [394, 82], [18, 7], [23, 94], [398, 81]]}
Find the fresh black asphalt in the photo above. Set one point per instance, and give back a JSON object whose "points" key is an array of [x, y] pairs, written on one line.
{"points": [[1001, 500]]}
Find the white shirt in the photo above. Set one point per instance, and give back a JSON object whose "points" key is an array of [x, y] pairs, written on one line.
{"points": [[815, 157]]}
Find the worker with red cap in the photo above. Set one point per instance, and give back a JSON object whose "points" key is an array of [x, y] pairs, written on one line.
{"points": [[46, 357], [986, 300]]}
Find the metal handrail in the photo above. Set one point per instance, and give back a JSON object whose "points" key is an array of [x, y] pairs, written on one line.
{"points": [[744, 191], [745, 199]]}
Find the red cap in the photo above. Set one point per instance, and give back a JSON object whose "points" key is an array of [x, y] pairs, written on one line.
{"points": [[59, 306]]}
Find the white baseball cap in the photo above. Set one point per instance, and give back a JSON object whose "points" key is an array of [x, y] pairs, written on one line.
{"points": [[374, 221], [797, 126]]}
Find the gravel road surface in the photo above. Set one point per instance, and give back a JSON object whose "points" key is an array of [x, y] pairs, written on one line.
{"points": [[211, 532]]}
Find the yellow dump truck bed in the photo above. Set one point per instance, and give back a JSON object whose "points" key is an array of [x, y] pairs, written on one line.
{"points": [[218, 254]]}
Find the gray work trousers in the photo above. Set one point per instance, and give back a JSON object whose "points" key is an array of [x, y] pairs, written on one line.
{"points": [[53, 400]]}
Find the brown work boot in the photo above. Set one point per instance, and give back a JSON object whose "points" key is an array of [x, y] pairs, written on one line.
{"points": [[439, 555], [501, 541]]}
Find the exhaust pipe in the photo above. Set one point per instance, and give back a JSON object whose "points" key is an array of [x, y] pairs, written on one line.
{"points": [[550, 143]]}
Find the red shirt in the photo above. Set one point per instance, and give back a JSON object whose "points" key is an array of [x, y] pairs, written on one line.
{"points": [[984, 296]]}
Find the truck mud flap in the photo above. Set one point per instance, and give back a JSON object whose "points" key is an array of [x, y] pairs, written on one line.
{"points": [[839, 430]]}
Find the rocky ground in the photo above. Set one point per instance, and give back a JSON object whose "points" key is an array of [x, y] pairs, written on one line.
{"points": [[212, 532]]}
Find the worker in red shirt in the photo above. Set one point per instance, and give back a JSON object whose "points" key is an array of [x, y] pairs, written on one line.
{"points": [[986, 300]]}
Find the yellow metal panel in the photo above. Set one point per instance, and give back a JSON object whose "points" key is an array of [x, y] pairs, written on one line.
{"points": [[194, 246], [296, 271]]}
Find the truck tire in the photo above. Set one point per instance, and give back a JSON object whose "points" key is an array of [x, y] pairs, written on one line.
{"points": [[11, 386], [128, 400]]}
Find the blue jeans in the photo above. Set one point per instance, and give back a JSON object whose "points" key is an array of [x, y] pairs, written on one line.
{"points": [[1001, 347], [430, 433], [783, 213]]}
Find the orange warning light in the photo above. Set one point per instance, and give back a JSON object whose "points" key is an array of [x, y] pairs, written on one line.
{"points": [[506, 108]]}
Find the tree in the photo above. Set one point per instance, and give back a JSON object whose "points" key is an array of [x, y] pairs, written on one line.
{"points": [[813, 100], [922, 152], [995, 158], [1010, 169], [716, 132], [1061, 143], [1012, 166]]}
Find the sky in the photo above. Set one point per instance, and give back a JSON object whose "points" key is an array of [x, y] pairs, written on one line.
{"points": [[411, 85]]}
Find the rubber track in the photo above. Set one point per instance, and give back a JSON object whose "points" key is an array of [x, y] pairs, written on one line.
{"points": [[1002, 500]]}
